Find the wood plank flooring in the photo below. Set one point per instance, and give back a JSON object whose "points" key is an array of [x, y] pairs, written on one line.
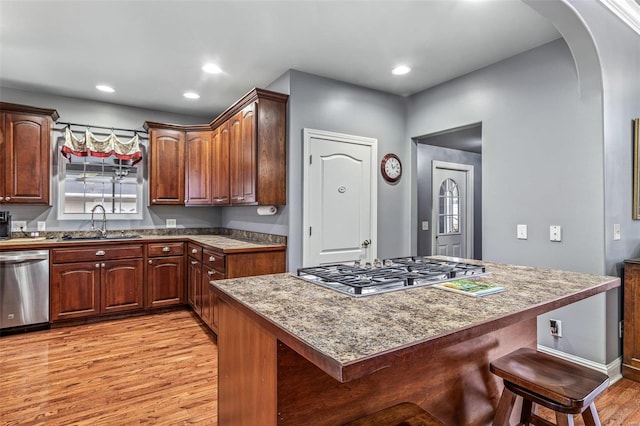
{"points": [[157, 369]]}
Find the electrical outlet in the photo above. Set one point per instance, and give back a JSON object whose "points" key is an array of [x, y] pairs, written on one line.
{"points": [[42, 226], [171, 223], [555, 327], [17, 225], [522, 232], [555, 233]]}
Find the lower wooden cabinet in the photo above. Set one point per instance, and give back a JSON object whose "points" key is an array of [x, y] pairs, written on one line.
{"points": [[165, 275], [101, 280], [90, 288], [631, 333]]}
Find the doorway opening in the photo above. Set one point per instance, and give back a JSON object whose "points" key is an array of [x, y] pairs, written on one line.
{"points": [[443, 211]]}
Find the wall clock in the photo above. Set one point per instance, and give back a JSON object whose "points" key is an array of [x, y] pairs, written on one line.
{"points": [[391, 168]]}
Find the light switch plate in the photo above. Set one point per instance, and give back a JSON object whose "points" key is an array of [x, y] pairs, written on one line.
{"points": [[522, 232], [425, 225], [555, 233], [616, 231], [42, 226], [171, 223]]}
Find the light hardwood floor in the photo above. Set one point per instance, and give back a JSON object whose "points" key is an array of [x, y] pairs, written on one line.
{"points": [[157, 369]]}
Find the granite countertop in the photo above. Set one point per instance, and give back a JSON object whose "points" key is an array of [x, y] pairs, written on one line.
{"points": [[346, 330], [225, 243]]}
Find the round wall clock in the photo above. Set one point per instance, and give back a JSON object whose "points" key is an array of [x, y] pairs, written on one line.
{"points": [[391, 168]]}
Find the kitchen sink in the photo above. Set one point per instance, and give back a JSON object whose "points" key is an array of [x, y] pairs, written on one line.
{"points": [[67, 237]]}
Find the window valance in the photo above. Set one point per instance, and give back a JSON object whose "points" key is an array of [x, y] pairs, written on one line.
{"points": [[89, 144]]}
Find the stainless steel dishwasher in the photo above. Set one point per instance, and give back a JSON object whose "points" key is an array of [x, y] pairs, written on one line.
{"points": [[24, 288]]}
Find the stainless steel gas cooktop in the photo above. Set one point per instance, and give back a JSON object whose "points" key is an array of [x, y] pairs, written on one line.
{"points": [[402, 273]]}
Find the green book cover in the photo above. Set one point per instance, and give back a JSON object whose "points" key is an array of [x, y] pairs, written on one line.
{"points": [[470, 288]]}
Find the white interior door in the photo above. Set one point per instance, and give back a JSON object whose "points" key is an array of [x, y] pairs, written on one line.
{"points": [[452, 209], [340, 202]]}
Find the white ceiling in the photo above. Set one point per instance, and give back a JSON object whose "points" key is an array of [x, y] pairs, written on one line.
{"points": [[152, 51]]}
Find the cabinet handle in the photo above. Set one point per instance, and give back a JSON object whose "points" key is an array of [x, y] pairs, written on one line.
{"points": [[8, 199], [103, 265], [97, 265], [153, 201], [193, 262], [212, 259], [100, 253], [209, 273], [150, 262], [1, 198], [194, 251], [166, 249]]}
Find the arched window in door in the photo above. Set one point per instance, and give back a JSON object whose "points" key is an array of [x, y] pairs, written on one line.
{"points": [[449, 208]]}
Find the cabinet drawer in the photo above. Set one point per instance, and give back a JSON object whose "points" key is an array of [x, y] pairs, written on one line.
{"points": [[165, 249], [195, 251], [214, 260], [96, 253]]}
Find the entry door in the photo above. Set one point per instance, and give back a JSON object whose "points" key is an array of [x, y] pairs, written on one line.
{"points": [[452, 213], [340, 202]]}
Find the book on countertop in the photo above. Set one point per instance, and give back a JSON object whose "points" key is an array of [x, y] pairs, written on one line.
{"points": [[470, 288]]}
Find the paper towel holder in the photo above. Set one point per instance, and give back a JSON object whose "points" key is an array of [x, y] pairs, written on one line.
{"points": [[267, 210]]}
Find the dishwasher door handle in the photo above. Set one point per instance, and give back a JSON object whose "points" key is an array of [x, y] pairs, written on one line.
{"points": [[23, 257]]}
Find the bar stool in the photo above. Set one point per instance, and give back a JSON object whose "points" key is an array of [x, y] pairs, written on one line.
{"points": [[542, 379], [403, 414]]}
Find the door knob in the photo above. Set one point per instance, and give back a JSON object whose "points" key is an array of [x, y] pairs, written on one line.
{"points": [[366, 243]]}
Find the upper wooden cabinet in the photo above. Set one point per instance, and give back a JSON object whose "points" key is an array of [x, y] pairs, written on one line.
{"points": [[166, 164], [220, 175], [257, 147], [198, 168], [25, 153]]}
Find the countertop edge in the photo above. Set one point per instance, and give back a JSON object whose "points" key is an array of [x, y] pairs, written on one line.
{"points": [[368, 365], [55, 243]]}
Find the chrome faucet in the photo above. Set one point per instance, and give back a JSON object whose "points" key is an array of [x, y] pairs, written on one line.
{"points": [[103, 231]]}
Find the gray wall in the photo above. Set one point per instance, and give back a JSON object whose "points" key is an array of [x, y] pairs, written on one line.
{"points": [[542, 165], [427, 153], [110, 115]]}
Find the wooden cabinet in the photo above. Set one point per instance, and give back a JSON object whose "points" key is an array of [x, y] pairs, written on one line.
{"points": [[257, 148], [213, 269], [198, 178], [95, 280], [194, 277], [220, 175], [166, 164], [165, 274], [242, 156], [631, 332], [25, 154]]}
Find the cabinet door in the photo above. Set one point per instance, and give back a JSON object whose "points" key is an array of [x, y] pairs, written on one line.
{"points": [[75, 290], [242, 156], [631, 340], [209, 298], [198, 168], [194, 286], [166, 167], [220, 184], [121, 285], [27, 159], [165, 278]]}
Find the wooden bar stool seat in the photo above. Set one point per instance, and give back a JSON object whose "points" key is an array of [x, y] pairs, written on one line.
{"points": [[542, 379], [403, 414]]}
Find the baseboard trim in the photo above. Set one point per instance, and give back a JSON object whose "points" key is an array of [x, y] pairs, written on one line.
{"points": [[612, 369]]}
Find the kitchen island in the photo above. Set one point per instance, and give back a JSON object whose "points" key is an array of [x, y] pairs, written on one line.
{"points": [[292, 352]]}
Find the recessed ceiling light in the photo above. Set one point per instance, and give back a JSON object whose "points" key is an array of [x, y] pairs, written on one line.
{"points": [[191, 95], [400, 70], [211, 69], [105, 88]]}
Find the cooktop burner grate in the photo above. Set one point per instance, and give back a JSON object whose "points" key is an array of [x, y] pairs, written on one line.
{"points": [[392, 274]]}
